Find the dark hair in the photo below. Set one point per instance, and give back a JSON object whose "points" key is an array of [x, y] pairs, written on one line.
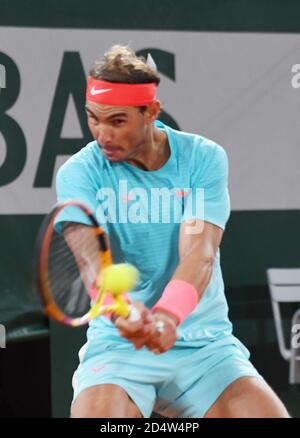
{"points": [[120, 64]]}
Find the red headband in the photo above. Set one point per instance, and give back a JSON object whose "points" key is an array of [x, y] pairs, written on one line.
{"points": [[116, 93]]}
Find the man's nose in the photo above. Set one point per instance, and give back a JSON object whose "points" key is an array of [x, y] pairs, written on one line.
{"points": [[104, 135]]}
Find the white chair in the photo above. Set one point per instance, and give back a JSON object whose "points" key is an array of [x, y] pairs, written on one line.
{"points": [[284, 286]]}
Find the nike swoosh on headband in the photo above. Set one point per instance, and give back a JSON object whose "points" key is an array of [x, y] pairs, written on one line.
{"points": [[94, 91]]}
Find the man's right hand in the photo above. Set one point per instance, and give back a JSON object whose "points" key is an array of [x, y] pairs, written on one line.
{"points": [[156, 331]]}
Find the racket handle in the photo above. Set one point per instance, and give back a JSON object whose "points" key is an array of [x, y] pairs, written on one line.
{"points": [[134, 314]]}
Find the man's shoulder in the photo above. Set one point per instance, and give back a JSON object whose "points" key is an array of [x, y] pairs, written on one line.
{"points": [[198, 147], [86, 160]]}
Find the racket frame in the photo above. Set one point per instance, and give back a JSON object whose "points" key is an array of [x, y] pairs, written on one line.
{"points": [[120, 307]]}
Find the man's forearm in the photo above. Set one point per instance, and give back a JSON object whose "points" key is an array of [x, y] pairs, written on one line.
{"points": [[193, 273], [186, 287], [196, 269]]}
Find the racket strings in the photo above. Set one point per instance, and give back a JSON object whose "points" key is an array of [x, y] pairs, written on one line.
{"points": [[73, 266], [88, 269]]}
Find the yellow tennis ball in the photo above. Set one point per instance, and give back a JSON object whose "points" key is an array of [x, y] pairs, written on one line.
{"points": [[119, 278]]}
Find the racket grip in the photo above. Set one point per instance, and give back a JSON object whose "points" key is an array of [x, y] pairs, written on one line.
{"points": [[134, 314]]}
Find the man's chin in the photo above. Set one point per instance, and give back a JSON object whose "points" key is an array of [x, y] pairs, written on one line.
{"points": [[113, 156], [115, 159]]}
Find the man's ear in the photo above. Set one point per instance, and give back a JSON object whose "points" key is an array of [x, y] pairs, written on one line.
{"points": [[153, 110]]}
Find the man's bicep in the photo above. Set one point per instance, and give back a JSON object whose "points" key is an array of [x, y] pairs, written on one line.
{"points": [[209, 199], [200, 236]]}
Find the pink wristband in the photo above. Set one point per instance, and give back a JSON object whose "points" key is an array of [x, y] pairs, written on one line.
{"points": [[179, 298]]}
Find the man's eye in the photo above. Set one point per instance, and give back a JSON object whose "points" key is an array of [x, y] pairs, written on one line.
{"points": [[93, 118], [118, 122]]}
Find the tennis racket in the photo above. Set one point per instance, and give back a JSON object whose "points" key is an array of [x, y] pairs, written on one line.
{"points": [[74, 274]]}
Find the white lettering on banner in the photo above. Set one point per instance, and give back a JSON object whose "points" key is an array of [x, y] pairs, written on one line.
{"points": [[242, 99]]}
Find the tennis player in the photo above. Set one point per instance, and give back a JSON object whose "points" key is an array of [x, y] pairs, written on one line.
{"points": [[162, 197]]}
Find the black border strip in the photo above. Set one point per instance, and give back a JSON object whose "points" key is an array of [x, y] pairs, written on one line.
{"points": [[189, 15]]}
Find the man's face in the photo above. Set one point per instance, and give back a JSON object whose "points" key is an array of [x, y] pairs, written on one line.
{"points": [[119, 130]]}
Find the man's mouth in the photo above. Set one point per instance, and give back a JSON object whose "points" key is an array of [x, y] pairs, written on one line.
{"points": [[110, 151]]}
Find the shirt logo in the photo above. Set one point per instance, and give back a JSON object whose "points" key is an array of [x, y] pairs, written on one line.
{"points": [[98, 369], [126, 198], [182, 194]]}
